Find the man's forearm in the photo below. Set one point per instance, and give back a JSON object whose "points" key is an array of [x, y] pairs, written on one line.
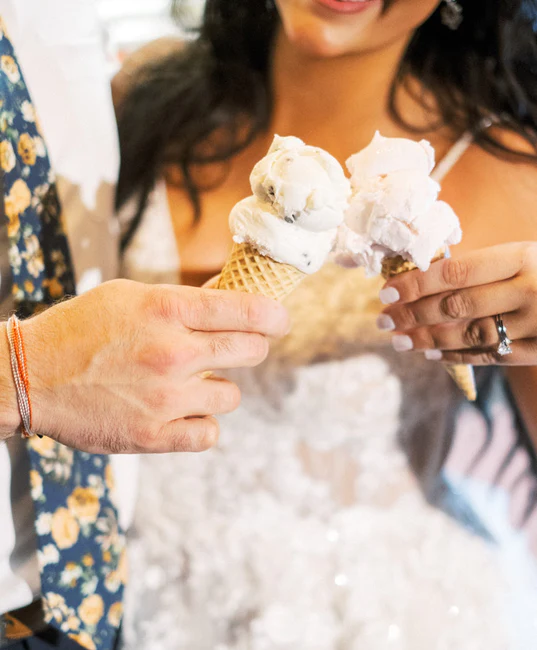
{"points": [[9, 415]]}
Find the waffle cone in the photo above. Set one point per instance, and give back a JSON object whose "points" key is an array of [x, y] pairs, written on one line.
{"points": [[248, 271], [461, 374]]}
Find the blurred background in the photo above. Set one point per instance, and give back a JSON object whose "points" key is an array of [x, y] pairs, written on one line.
{"points": [[128, 24]]}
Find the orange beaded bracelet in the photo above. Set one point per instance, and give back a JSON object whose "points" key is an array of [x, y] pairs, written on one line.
{"points": [[20, 374]]}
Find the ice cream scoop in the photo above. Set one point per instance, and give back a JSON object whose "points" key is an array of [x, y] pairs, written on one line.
{"points": [[288, 227], [386, 155], [394, 208], [395, 222], [300, 194]]}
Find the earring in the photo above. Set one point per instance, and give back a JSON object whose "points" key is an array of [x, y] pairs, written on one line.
{"points": [[452, 14]]}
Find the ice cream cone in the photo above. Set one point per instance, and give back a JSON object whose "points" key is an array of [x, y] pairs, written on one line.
{"points": [[462, 375], [248, 271]]}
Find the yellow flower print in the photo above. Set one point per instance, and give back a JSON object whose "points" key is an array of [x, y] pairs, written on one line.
{"points": [[91, 610], [84, 640], [55, 607], [10, 68], [29, 286], [45, 447], [73, 623], [20, 195], [88, 560], [115, 614], [33, 256], [84, 505], [27, 150], [7, 156], [16, 202], [36, 484], [64, 529], [13, 223], [107, 557], [109, 477], [123, 567], [55, 287], [112, 581]]}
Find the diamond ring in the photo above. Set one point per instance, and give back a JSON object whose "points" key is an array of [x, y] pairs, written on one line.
{"points": [[504, 348]]}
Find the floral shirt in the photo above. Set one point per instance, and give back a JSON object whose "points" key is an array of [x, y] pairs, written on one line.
{"points": [[81, 549]]}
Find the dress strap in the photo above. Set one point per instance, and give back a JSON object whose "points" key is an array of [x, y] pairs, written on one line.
{"points": [[453, 156]]}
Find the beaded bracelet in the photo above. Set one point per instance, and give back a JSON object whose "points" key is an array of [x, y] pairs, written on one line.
{"points": [[19, 369]]}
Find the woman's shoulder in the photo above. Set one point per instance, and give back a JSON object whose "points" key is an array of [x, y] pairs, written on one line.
{"points": [[495, 193], [147, 54]]}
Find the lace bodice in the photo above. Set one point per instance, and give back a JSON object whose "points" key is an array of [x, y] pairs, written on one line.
{"points": [[306, 529]]}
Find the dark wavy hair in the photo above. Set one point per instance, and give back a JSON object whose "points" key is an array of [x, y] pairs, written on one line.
{"points": [[207, 102]]}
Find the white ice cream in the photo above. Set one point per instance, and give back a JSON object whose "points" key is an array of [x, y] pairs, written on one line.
{"points": [[300, 198], [394, 209]]}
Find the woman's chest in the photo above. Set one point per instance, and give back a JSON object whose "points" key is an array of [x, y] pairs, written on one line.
{"points": [[203, 239]]}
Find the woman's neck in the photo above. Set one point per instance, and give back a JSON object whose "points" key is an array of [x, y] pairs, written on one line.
{"points": [[336, 103]]}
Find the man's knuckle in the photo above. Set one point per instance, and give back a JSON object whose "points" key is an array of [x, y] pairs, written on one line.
{"points": [[181, 441], [456, 306], [234, 397], [455, 272], [214, 402], [222, 398], [208, 434], [161, 304], [159, 359], [257, 347], [205, 307], [252, 311], [220, 346], [143, 438]]}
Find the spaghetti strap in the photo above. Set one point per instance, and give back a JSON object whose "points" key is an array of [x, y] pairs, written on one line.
{"points": [[452, 157]]}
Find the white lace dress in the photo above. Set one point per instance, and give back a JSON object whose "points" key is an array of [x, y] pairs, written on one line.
{"points": [[306, 528]]}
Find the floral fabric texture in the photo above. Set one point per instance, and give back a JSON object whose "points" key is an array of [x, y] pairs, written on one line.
{"points": [[80, 547]]}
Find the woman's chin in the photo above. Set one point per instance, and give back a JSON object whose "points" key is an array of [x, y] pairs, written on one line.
{"points": [[321, 42]]}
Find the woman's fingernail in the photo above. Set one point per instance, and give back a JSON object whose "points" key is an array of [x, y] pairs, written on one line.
{"points": [[433, 355], [389, 296], [385, 323], [402, 343]]}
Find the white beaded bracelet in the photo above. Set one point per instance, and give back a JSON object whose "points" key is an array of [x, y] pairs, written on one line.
{"points": [[19, 368]]}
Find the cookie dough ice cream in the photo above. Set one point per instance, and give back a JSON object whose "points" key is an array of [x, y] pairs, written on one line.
{"points": [[290, 223]]}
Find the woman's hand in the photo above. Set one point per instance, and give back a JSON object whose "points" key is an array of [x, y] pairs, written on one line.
{"points": [[449, 311]]}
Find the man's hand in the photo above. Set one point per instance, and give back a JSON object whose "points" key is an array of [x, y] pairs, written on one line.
{"points": [[117, 370]]}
